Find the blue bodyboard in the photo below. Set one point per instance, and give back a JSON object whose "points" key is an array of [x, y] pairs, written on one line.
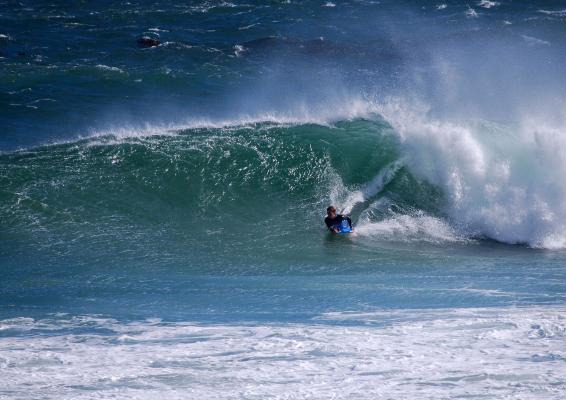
{"points": [[345, 227]]}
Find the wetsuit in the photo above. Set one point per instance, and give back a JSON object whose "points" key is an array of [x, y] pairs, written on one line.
{"points": [[336, 221]]}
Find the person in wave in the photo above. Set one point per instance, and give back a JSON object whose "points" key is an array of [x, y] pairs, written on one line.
{"points": [[333, 221]]}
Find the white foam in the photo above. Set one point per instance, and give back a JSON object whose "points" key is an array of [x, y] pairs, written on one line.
{"points": [[505, 182], [471, 13], [426, 354], [533, 41], [488, 4], [110, 68], [556, 13], [238, 50], [245, 28]]}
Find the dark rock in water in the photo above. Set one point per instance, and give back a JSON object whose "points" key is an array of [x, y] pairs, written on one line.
{"points": [[21, 53], [146, 41]]}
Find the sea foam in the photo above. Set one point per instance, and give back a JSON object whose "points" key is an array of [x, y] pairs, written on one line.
{"points": [[502, 181], [391, 354]]}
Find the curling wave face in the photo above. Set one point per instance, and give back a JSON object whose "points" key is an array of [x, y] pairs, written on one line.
{"points": [[256, 185]]}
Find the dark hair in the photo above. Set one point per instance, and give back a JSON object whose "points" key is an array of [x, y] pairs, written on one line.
{"points": [[330, 208]]}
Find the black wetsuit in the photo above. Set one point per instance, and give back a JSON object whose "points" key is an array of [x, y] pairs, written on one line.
{"points": [[336, 221]]}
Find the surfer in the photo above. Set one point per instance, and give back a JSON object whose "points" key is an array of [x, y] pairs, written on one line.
{"points": [[334, 221]]}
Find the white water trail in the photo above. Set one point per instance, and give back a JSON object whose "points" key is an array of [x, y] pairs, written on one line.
{"points": [[372, 188]]}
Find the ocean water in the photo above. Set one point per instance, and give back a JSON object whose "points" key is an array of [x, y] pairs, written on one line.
{"points": [[161, 208]]}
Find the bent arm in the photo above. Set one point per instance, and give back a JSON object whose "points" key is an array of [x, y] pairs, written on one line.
{"points": [[331, 227]]}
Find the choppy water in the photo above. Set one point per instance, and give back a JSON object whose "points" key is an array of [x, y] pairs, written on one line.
{"points": [[161, 207]]}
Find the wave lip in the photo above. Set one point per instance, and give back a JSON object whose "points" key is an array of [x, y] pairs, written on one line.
{"points": [[301, 114]]}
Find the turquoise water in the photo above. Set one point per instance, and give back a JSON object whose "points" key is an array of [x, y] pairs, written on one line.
{"points": [[161, 208]]}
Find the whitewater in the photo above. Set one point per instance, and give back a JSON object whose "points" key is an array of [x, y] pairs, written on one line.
{"points": [[165, 168]]}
